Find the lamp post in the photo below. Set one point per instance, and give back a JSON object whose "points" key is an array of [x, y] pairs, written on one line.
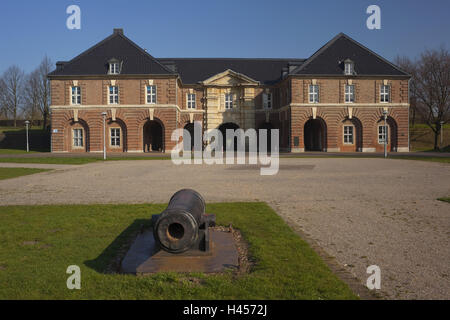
{"points": [[442, 134], [385, 113], [104, 134], [26, 126]]}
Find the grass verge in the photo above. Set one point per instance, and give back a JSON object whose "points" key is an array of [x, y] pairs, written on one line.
{"points": [[8, 173], [40, 242], [446, 199]]}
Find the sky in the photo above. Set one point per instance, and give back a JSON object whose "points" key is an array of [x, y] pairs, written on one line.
{"points": [[225, 28]]}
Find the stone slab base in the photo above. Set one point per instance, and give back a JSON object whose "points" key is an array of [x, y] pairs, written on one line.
{"points": [[144, 256]]}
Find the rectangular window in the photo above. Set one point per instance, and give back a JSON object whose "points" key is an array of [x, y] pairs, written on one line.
{"points": [[267, 100], [191, 100], [384, 93], [348, 134], [115, 137], [114, 68], [113, 95], [314, 93], [382, 134], [348, 68], [349, 93], [77, 137], [76, 95], [228, 100], [151, 94]]}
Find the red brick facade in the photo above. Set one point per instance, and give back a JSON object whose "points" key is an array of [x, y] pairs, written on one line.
{"points": [[302, 125]]}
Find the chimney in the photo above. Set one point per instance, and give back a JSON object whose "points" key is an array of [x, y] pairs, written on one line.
{"points": [[118, 31]]}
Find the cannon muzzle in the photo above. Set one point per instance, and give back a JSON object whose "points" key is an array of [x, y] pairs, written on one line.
{"points": [[184, 224]]}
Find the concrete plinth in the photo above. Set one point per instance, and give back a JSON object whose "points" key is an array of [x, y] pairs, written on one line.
{"points": [[145, 257]]}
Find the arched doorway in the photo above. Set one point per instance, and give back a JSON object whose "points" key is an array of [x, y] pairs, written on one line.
{"points": [[188, 144], [268, 126], [315, 135], [153, 132], [228, 143]]}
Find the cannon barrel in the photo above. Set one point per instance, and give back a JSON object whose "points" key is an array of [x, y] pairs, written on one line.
{"points": [[176, 229]]}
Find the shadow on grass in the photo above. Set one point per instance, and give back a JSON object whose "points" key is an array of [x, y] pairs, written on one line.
{"points": [[111, 257]]}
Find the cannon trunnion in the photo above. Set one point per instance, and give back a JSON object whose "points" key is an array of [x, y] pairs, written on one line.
{"points": [[183, 225]]}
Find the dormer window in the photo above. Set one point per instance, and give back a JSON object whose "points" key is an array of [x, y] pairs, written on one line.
{"points": [[349, 67], [114, 66]]}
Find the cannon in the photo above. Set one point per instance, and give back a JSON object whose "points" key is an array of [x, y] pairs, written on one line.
{"points": [[183, 225]]}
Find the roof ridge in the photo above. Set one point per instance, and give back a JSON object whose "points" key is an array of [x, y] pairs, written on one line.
{"points": [[220, 58], [98, 44], [318, 52]]}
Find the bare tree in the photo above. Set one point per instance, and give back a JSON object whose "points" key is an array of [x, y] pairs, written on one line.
{"points": [[430, 88], [44, 88], [12, 93], [32, 95]]}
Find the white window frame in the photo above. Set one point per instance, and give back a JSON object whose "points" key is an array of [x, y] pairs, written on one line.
{"points": [[75, 95], [313, 93], [114, 139], [114, 68], [385, 93], [380, 134], [348, 68], [267, 100], [350, 135], [78, 139], [349, 94], [113, 95], [190, 100], [150, 97], [228, 101]]}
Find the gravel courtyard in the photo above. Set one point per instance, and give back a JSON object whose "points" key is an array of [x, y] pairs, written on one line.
{"points": [[360, 211]]}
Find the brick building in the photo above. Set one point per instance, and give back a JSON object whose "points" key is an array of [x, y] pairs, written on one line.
{"points": [[332, 101]]}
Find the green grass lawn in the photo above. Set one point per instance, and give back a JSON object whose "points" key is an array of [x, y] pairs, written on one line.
{"points": [[422, 138], [8, 173], [38, 243], [446, 199]]}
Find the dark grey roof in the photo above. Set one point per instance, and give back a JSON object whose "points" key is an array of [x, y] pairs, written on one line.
{"points": [[264, 70], [329, 59], [94, 61]]}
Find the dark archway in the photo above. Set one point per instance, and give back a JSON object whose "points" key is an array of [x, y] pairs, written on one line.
{"points": [[315, 135], [189, 145], [268, 126], [153, 132], [223, 129]]}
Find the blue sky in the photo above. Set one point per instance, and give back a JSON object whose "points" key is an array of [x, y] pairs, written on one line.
{"points": [[244, 28]]}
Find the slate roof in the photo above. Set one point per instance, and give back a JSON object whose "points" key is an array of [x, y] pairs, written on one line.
{"points": [[94, 61], [329, 59], [194, 70]]}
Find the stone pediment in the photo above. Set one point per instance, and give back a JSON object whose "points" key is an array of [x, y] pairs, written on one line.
{"points": [[230, 78]]}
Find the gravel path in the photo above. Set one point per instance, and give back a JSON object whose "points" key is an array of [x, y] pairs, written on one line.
{"points": [[360, 211]]}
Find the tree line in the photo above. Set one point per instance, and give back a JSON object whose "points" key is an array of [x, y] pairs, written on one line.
{"points": [[429, 89], [26, 96]]}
